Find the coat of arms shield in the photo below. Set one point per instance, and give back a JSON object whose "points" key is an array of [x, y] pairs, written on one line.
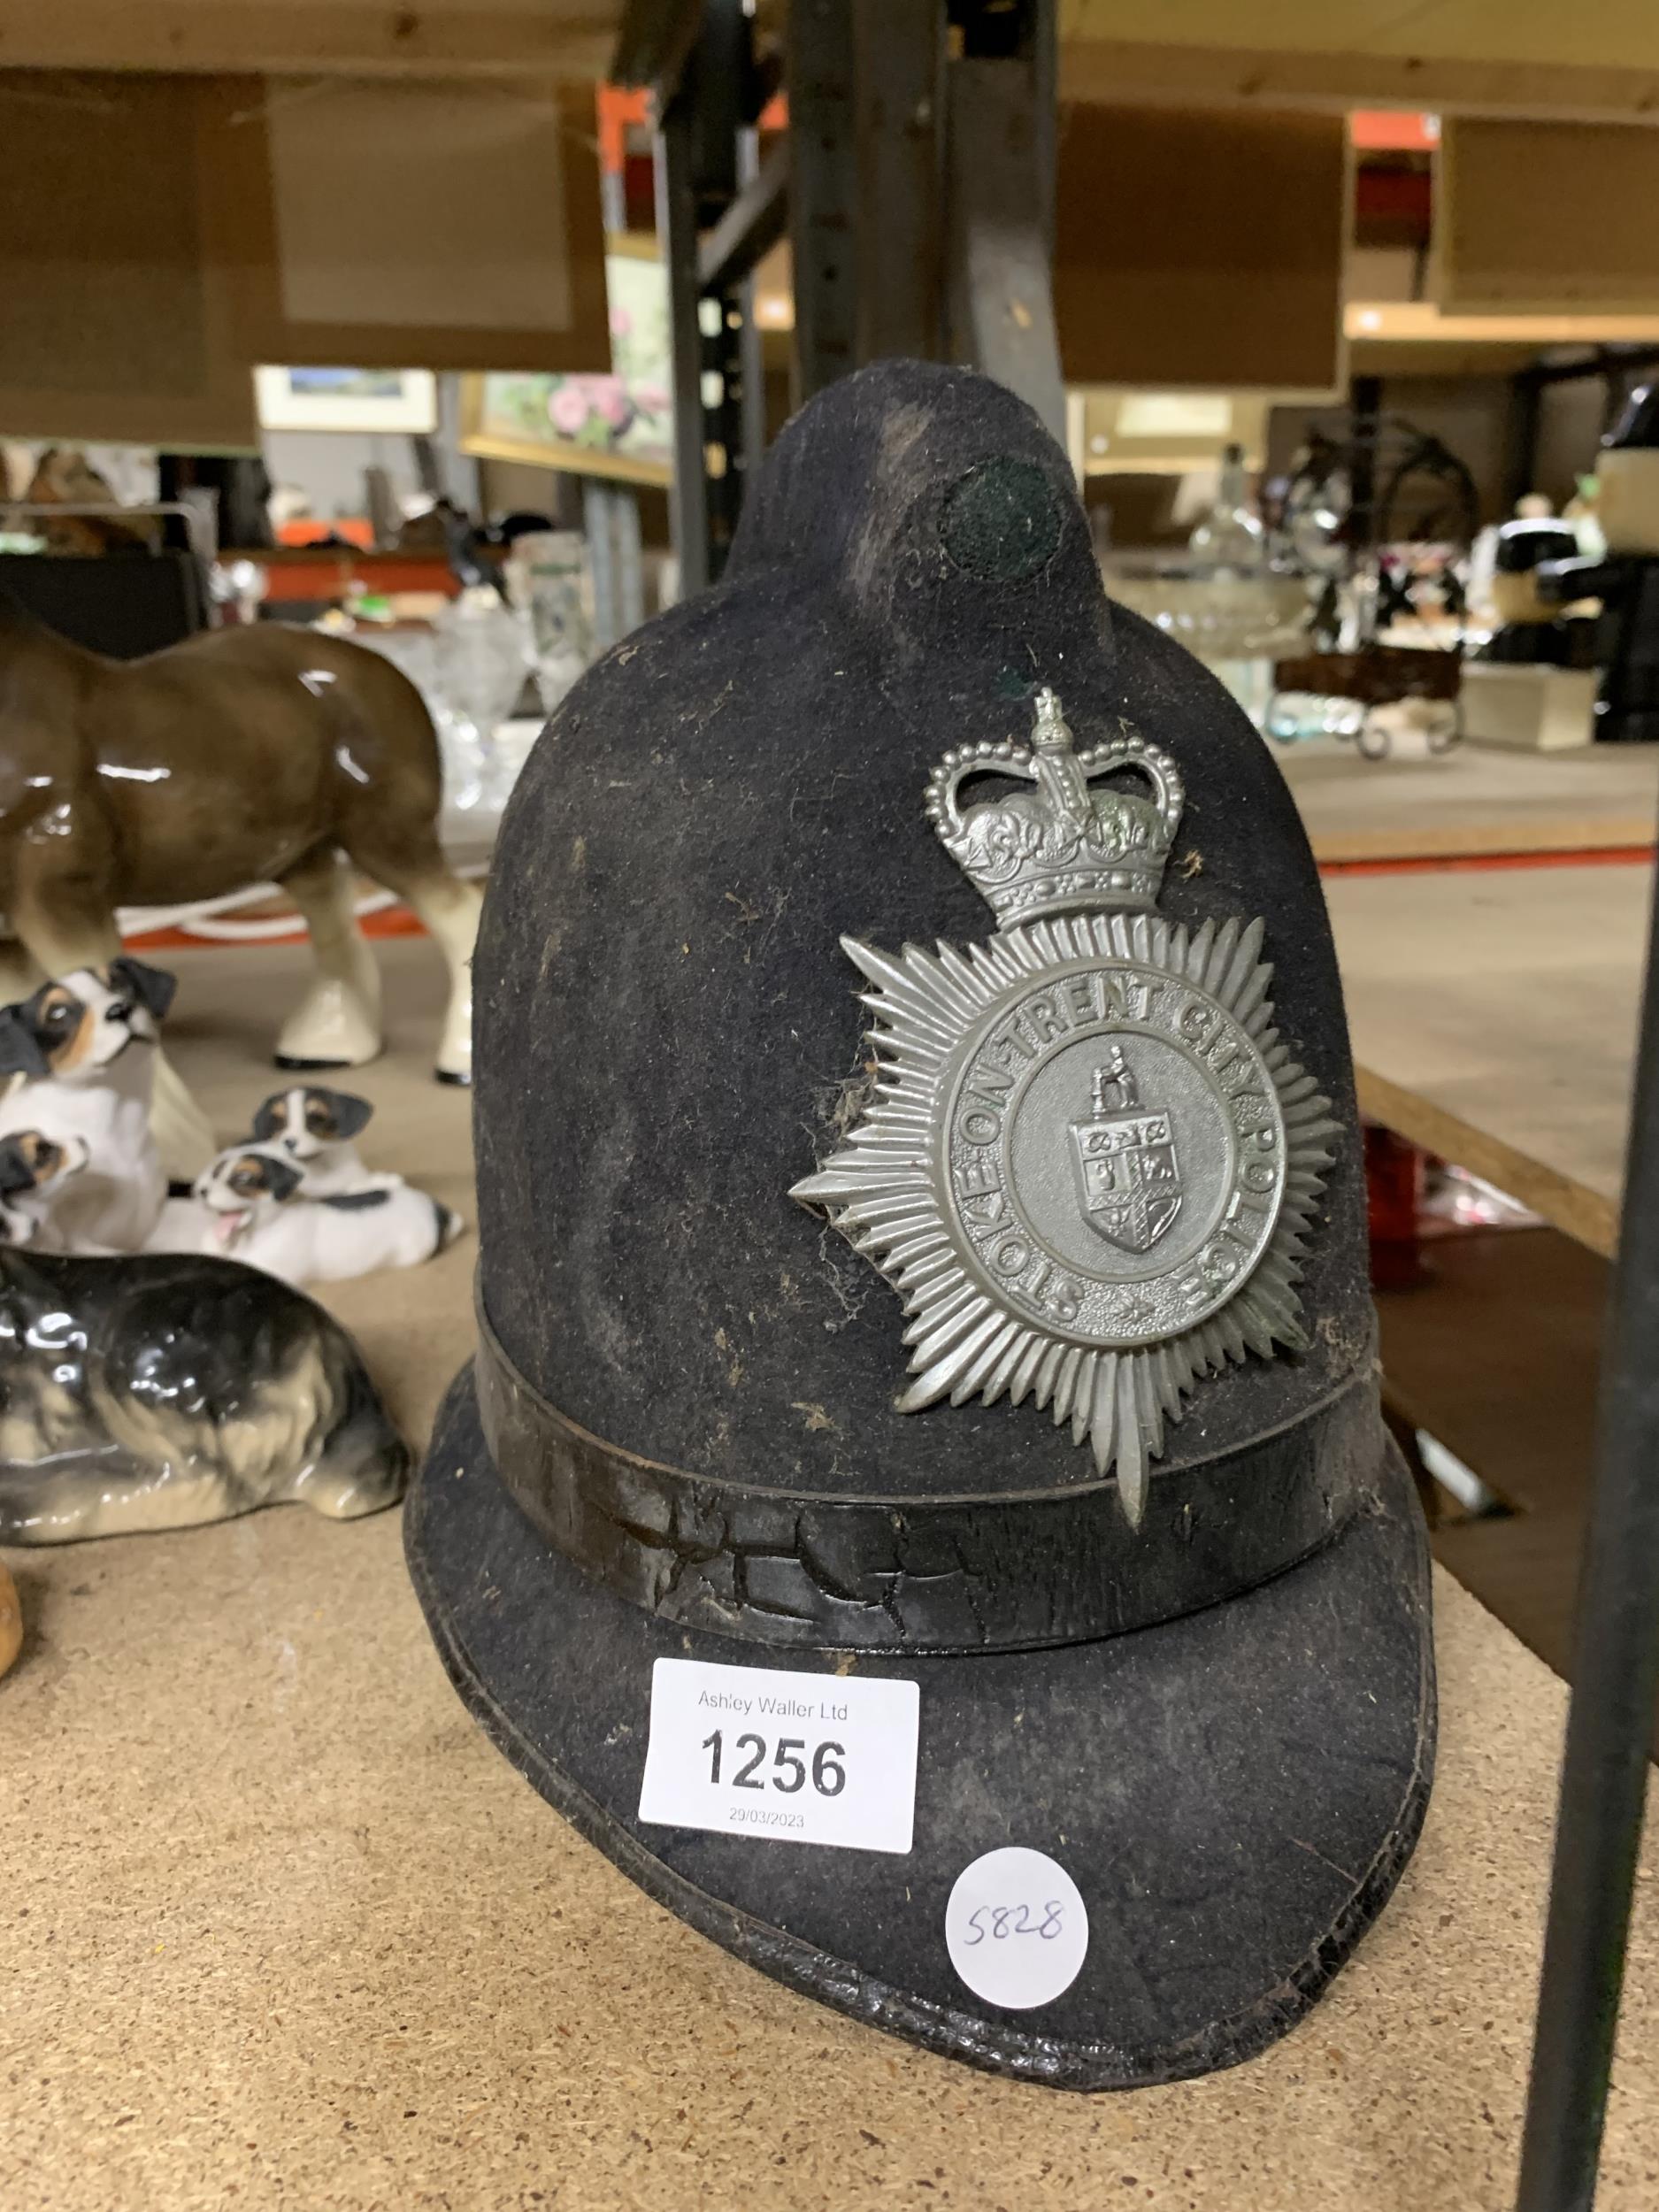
{"points": [[1128, 1176]]}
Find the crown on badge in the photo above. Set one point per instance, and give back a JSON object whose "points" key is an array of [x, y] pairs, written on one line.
{"points": [[1060, 846]]}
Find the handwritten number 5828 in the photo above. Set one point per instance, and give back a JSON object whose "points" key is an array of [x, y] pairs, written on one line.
{"points": [[1013, 1920]]}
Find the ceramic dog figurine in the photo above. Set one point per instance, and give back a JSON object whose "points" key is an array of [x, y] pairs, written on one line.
{"points": [[315, 1128], [158, 1392], [253, 754], [253, 1208], [33, 1170], [85, 1049]]}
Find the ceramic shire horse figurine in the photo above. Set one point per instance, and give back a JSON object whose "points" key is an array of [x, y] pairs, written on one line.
{"points": [[244, 756]]}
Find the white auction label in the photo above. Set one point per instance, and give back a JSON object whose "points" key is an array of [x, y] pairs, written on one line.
{"points": [[789, 1758], [1017, 1928]]}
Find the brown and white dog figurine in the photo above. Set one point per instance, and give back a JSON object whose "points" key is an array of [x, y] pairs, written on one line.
{"points": [[83, 1050], [250, 1202], [315, 1128], [33, 1171]]}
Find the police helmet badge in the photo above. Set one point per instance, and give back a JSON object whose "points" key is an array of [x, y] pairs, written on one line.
{"points": [[1089, 1163]]}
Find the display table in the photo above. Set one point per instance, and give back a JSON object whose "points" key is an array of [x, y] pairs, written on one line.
{"points": [[1471, 800], [1494, 1018], [285, 1930]]}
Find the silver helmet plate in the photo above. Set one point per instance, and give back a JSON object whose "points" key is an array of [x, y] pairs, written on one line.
{"points": [[1089, 1164]]}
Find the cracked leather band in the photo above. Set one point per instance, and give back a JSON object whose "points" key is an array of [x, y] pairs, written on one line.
{"points": [[1008, 1573]]}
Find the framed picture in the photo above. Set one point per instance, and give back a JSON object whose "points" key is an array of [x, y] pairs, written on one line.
{"points": [[348, 399], [619, 426]]}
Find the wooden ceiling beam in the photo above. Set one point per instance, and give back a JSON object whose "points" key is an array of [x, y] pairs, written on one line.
{"points": [[420, 38], [577, 38], [1139, 72]]}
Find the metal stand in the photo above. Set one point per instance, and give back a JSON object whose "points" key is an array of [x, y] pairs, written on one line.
{"points": [[1615, 1677], [917, 186], [709, 181], [610, 523], [1000, 172], [824, 227], [677, 233], [922, 197]]}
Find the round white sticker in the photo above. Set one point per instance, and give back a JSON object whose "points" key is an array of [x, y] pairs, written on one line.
{"points": [[1015, 1928]]}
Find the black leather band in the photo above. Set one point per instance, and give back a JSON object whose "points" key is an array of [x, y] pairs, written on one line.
{"points": [[1008, 1573]]}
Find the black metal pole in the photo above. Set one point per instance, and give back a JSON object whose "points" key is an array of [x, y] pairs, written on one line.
{"points": [[1616, 1673], [1520, 438], [677, 233], [823, 191], [1000, 153], [751, 359], [899, 125], [717, 82], [1364, 435]]}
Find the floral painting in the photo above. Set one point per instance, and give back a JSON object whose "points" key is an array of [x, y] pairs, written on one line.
{"points": [[620, 425]]}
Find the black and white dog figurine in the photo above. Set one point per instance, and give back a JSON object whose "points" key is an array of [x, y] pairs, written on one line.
{"points": [[254, 1209], [315, 1126], [158, 1392], [33, 1170], [84, 1051]]}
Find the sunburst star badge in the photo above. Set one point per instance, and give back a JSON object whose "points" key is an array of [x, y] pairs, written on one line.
{"points": [[1089, 1164]]}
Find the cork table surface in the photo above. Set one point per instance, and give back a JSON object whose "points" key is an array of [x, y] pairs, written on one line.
{"points": [[283, 1930], [1493, 1015], [1475, 799]]}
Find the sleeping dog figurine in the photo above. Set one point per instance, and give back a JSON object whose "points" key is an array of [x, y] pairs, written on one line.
{"points": [[84, 1048], [33, 1170], [315, 1126], [158, 1393], [250, 1205]]}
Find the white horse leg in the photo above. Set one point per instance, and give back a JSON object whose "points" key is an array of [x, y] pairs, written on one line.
{"points": [[448, 907], [399, 848], [337, 1024]]}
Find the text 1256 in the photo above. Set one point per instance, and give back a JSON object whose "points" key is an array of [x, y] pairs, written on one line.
{"points": [[790, 1766]]}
